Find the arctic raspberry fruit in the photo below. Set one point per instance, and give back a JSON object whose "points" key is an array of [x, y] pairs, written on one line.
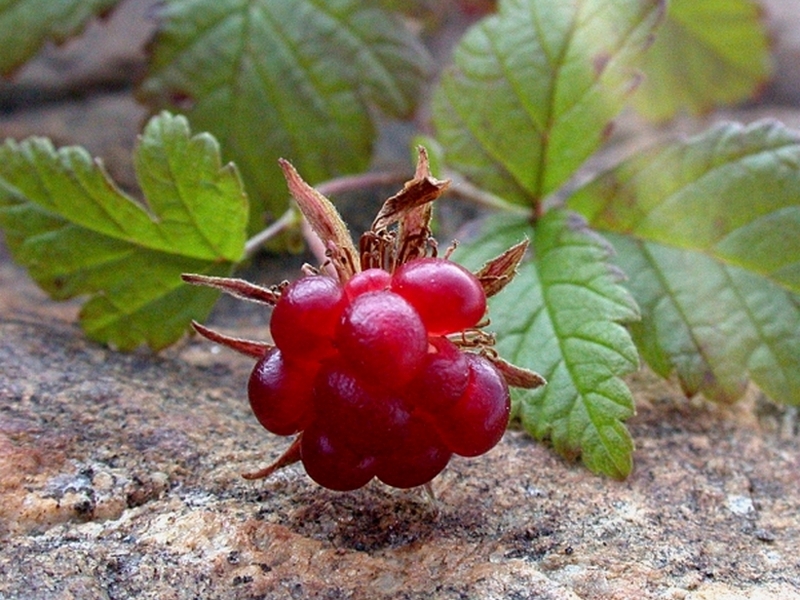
{"points": [[476, 422], [369, 421], [305, 318], [281, 392], [383, 338], [442, 378], [423, 457], [447, 296], [380, 362], [371, 280], [331, 464]]}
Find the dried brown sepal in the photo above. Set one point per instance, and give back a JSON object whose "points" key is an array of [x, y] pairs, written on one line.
{"points": [[325, 221], [415, 228], [291, 456], [238, 288], [498, 272], [344, 260], [475, 338], [242, 346], [377, 250], [412, 204], [516, 376], [401, 230]]}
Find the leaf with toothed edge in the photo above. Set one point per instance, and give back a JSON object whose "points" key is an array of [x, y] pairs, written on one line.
{"points": [[25, 25], [563, 316], [708, 229], [533, 89], [293, 78], [705, 54], [126, 256]]}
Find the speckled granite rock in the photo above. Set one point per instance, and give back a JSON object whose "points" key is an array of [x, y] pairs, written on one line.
{"points": [[119, 478]]}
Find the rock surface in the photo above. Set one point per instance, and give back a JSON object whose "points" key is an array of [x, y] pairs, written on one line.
{"points": [[120, 474], [119, 478]]}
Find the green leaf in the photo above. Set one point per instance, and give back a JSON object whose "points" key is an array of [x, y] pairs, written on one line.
{"points": [[561, 316], [533, 89], [707, 52], [77, 233], [418, 9], [25, 25], [285, 78], [709, 231]]}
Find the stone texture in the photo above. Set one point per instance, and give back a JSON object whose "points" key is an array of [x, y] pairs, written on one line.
{"points": [[119, 478]]}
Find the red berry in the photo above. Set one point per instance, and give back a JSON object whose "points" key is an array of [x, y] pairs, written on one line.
{"points": [[382, 338], [331, 464], [369, 421], [281, 392], [422, 457], [476, 422], [442, 379], [447, 296], [304, 319], [371, 280]]}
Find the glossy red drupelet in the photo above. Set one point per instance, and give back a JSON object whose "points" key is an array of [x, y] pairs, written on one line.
{"points": [[447, 296], [281, 393], [305, 318]]}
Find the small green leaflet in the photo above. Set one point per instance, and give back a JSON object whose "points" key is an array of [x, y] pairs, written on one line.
{"points": [[77, 233], [25, 25], [562, 316], [706, 53], [533, 89], [285, 78], [709, 232]]}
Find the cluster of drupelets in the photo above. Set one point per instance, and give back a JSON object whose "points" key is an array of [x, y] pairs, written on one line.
{"points": [[370, 374]]}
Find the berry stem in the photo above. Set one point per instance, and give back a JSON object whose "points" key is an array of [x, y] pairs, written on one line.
{"points": [[351, 183], [286, 220], [338, 185], [291, 456], [467, 191]]}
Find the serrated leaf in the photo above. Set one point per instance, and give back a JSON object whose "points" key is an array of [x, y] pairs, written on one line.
{"points": [[706, 53], [285, 78], [533, 89], [709, 231], [25, 25], [561, 316], [77, 233]]}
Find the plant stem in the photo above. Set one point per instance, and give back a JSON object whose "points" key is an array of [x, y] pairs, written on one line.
{"points": [[461, 188], [467, 191], [276, 227], [362, 181], [338, 185]]}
